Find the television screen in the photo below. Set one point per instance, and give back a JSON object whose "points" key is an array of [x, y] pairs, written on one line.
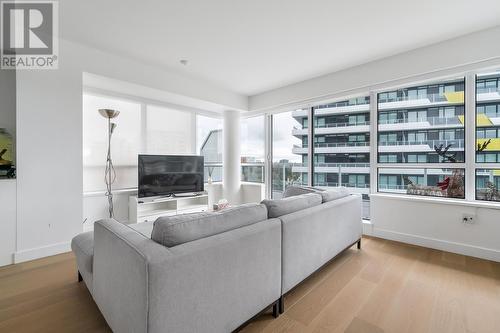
{"points": [[169, 174]]}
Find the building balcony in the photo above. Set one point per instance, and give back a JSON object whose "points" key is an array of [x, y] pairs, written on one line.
{"points": [[334, 128], [488, 95], [419, 146], [408, 102], [353, 188], [299, 114], [342, 109], [336, 168], [343, 147], [428, 123]]}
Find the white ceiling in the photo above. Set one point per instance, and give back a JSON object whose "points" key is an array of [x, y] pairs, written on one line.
{"points": [[257, 45]]}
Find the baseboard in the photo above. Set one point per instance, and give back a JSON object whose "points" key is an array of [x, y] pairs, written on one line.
{"points": [[41, 252], [438, 244]]}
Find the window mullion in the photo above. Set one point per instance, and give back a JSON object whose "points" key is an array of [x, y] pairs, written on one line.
{"points": [[310, 145], [373, 143], [268, 164], [470, 137]]}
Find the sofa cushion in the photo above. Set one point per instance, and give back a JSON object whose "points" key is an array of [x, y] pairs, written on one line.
{"points": [[174, 230], [326, 194], [292, 204], [83, 247]]}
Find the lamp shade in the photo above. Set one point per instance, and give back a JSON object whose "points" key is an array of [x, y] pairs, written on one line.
{"points": [[108, 113]]}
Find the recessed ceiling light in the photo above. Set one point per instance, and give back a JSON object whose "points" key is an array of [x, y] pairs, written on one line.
{"points": [[183, 62]]}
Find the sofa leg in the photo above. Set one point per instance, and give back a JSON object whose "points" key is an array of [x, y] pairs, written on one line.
{"points": [[276, 313], [281, 303], [359, 244], [80, 279]]}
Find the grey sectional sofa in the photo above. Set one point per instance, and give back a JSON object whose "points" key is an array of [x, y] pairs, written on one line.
{"points": [[211, 272]]}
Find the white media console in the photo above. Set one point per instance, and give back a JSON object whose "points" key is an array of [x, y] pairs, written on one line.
{"points": [[149, 209]]}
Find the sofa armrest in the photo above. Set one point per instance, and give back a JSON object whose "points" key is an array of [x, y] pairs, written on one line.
{"points": [[120, 275]]}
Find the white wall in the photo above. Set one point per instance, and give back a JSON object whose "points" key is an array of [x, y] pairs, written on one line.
{"points": [[7, 220], [438, 225], [473, 50], [49, 140]]}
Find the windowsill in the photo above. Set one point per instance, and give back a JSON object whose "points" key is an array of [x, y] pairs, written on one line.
{"points": [[440, 201]]}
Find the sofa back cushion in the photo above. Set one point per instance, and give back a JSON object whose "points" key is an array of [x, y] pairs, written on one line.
{"points": [[174, 230], [279, 207], [326, 195]]}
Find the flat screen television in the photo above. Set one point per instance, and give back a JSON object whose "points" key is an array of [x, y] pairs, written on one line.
{"points": [[161, 175]]}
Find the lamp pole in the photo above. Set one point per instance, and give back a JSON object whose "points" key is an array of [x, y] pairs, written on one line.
{"points": [[109, 173]]}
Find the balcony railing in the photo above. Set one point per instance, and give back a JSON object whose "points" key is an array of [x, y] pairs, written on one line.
{"points": [[341, 105], [433, 98], [431, 143], [360, 123], [352, 185], [342, 144], [431, 120], [342, 165], [488, 90], [391, 187]]}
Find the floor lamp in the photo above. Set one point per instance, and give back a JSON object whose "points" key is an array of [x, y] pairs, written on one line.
{"points": [[110, 174]]}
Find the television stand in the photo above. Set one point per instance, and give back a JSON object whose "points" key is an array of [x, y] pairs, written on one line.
{"points": [[186, 195], [149, 209]]}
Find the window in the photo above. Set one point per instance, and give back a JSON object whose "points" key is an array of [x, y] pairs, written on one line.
{"points": [[434, 133], [447, 183], [141, 128], [252, 149], [169, 131], [342, 146], [209, 144], [290, 151], [488, 136], [125, 144]]}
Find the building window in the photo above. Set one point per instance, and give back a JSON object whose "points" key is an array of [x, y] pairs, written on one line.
{"points": [[290, 151], [252, 149], [433, 132], [209, 144], [342, 146]]}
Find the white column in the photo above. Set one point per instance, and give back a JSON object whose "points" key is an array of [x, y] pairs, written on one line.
{"points": [[232, 159]]}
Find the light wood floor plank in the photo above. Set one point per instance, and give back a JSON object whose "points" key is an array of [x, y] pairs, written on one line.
{"points": [[386, 287]]}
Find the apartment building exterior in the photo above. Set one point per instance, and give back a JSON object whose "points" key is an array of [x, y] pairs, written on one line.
{"points": [[413, 123], [488, 134]]}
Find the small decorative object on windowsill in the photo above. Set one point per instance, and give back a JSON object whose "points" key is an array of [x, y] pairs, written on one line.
{"points": [[210, 172], [110, 174], [222, 204]]}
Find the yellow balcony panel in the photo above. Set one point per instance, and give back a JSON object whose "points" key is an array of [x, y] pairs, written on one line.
{"points": [[494, 145], [455, 97], [481, 120]]}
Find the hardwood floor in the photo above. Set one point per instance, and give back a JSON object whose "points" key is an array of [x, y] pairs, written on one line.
{"points": [[385, 287]]}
